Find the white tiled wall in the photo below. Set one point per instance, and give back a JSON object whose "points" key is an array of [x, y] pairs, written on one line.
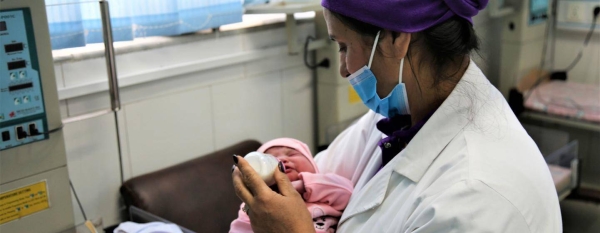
{"points": [[60, 83], [172, 120], [93, 164], [296, 89], [257, 40], [181, 83], [87, 104], [168, 130], [172, 55], [568, 44], [248, 108], [82, 72]]}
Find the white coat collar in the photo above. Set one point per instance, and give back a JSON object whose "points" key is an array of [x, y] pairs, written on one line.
{"points": [[447, 121]]}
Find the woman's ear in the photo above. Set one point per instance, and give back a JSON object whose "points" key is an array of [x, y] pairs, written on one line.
{"points": [[395, 44], [400, 43]]}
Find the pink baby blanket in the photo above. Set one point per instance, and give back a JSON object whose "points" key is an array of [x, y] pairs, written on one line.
{"points": [[568, 99]]}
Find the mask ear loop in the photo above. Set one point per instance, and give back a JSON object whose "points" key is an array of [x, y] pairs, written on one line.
{"points": [[399, 82], [374, 47], [401, 69]]}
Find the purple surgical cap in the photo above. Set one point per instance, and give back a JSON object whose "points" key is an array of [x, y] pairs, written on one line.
{"points": [[405, 15]]}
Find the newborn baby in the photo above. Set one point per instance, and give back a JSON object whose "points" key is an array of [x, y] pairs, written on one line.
{"points": [[325, 195]]}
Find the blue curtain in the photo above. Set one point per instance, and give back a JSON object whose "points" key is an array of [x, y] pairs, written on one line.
{"points": [[75, 23], [255, 2]]}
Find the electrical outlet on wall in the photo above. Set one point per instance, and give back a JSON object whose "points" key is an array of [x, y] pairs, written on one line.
{"points": [[577, 14]]}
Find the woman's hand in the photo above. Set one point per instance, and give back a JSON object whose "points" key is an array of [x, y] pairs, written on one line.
{"points": [[270, 211]]}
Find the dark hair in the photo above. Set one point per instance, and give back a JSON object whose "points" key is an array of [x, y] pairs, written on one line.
{"points": [[443, 45]]}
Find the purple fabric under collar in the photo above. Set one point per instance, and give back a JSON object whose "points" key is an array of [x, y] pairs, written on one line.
{"points": [[399, 132], [405, 15]]}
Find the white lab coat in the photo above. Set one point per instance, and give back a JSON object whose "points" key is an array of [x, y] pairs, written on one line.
{"points": [[471, 168]]}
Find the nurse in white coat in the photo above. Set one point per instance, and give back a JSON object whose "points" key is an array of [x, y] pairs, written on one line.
{"points": [[440, 150]]}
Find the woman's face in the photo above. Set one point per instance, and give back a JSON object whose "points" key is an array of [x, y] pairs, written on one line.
{"points": [[293, 161], [355, 50]]}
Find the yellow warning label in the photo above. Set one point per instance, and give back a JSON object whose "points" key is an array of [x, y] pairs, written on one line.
{"points": [[353, 97], [23, 201]]}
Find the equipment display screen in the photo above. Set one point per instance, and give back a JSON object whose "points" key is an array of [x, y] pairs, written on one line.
{"points": [[17, 65], [13, 47], [2, 26], [20, 87], [539, 5], [538, 11]]}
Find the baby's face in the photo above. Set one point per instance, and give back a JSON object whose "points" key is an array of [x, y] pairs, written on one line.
{"points": [[293, 161]]}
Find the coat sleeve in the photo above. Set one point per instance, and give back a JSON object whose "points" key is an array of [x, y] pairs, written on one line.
{"points": [[329, 189], [242, 223], [468, 206], [350, 152]]}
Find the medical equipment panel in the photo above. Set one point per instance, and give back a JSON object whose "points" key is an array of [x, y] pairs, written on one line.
{"points": [[32, 146], [538, 11], [22, 113]]}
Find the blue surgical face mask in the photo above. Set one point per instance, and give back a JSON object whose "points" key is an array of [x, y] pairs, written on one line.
{"points": [[365, 84]]}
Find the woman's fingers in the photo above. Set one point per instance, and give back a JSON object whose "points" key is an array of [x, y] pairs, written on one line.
{"points": [[251, 179], [240, 189], [283, 183]]}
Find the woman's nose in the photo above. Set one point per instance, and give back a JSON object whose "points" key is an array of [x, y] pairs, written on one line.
{"points": [[343, 70]]}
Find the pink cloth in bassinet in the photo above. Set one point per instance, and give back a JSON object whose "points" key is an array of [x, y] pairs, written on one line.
{"points": [[568, 99]]}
